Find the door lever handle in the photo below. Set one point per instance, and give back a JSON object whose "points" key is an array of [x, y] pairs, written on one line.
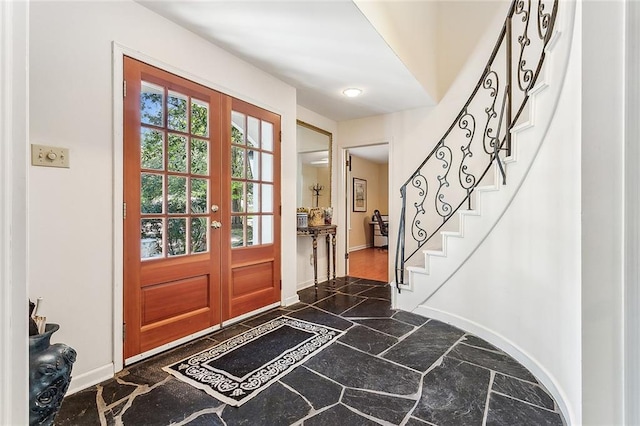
{"points": [[216, 225]]}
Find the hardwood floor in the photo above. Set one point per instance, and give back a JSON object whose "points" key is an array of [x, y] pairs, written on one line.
{"points": [[370, 263]]}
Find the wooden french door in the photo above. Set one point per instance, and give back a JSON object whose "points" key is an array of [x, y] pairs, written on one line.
{"points": [[201, 186], [253, 266]]}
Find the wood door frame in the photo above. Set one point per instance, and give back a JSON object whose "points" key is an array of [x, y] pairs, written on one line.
{"points": [[119, 51], [14, 211], [171, 276], [346, 200]]}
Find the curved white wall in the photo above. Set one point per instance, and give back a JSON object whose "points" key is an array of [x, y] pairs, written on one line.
{"points": [[521, 288], [71, 214], [523, 284]]}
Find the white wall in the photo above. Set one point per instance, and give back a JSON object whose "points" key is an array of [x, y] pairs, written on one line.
{"points": [[433, 39], [410, 29], [73, 216], [603, 153], [460, 26], [303, 246], [14, 106]]}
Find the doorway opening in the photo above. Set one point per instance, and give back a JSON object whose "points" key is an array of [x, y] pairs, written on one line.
{"points": [[367, 190]]}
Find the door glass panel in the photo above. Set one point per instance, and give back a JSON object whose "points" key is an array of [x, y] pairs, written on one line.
{"points": [[253, 165], [252, 173], [199, 157], [253, 132], [237, 162], [151, 100], [267, 136], [177, 236], [199, 118], [199, 195], [169, 182], [199, 232], [267, 229], [150, 238], [237, 128], [177, 112], [177, 153], [151, 193], [237, 197], [253, 230], [237, 231], [177, 195], [151, 149], [253, 197], [267, 167], [267, 198]]}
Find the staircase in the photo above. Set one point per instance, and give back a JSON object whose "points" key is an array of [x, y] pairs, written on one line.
{"points": [[466, 183]]}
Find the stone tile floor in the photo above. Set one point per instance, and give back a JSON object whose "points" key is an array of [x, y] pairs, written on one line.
{"points": [[389, 368]]}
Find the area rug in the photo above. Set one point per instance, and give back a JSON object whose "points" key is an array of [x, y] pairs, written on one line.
{"points": [[239, 368]]}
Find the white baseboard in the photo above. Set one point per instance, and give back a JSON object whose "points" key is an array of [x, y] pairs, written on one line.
{"points": [[362, 247], [290, 300], [90, 378], [250, 314], [306, 284], [507, 346], [106, 372]]}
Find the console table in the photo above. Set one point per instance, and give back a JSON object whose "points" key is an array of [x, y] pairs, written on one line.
{"points": [[329, 231]]}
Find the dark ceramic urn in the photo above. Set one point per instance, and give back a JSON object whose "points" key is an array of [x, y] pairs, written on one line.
{"points": [[49, 375]]}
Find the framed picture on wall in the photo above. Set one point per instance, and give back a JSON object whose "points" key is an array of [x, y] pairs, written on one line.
{"points": [[359, 195]]}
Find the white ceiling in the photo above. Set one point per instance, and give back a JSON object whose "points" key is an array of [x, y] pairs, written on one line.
{"points": [[319, 47], [374, 153]]}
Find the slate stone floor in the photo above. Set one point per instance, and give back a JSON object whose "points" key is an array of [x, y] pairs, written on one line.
{"points": [[389, 368]]}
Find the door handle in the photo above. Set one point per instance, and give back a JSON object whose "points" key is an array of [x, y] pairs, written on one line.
{"points": [[216, 225], [214, 208]]}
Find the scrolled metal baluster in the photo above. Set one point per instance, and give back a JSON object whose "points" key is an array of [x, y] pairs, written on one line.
{"points": [[525, 75], [520, 9], [467, 123], [445, 155], [491, 82], [488, 81], [420, 183], [544, 19], [418, 233]]}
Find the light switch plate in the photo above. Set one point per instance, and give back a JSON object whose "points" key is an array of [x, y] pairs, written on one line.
{"points": [[49, 156]]}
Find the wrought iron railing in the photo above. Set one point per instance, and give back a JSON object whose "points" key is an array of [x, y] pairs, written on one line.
{"points": [[480, 135]]}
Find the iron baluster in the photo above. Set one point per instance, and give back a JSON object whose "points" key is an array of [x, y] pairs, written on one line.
{"points": [[478, 113]]}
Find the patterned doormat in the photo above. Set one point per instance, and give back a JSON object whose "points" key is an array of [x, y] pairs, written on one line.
{"points": [[239, 368]]}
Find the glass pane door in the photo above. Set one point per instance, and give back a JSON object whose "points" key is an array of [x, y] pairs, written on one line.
{"points": [[174, 173]]}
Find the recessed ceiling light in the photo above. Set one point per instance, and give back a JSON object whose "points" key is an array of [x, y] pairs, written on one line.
{"points": [[352, 92]]}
